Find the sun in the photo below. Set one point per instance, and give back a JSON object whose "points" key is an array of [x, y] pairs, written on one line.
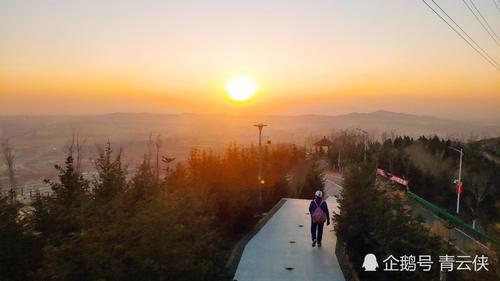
{"points": [[241, 88]]}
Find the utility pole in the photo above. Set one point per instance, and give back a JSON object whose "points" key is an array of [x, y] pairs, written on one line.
{"points": [[260, 126], [365, 133], [459, 180]]}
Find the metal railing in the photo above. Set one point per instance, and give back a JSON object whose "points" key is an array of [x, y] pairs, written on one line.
{"points": [[479, 235]]}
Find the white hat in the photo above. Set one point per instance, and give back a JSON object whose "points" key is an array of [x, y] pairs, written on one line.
{"points": [[319, 193]]}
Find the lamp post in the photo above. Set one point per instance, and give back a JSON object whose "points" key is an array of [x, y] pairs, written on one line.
{"points": [[260, 126], [459, 180], [365, 133]]}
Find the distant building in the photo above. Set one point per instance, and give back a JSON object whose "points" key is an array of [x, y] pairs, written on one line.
{"points": [[324, 142]]}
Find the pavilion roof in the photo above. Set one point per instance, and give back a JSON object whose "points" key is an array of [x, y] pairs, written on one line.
{"points": [[323, 142]]}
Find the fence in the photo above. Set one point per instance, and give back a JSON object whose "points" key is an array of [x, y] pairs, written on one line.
{"points": [[33, 193], [454, 219]]}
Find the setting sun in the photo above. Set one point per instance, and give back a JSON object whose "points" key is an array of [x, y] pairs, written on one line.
{"points": [[241, 88]]}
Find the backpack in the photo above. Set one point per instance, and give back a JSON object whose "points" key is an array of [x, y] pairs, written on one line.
{"points": [[318, 216]]}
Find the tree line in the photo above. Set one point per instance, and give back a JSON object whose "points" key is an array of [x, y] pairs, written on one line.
{"points": [[139, 224], [373, 219], [431, 167]]}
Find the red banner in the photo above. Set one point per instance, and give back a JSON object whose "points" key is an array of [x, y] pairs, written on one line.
{"points": [[399, 180], [381, 172], [392, 177], [459, 188]]}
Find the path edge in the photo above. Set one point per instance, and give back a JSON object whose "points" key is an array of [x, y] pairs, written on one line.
{"points": [[239, 247]]}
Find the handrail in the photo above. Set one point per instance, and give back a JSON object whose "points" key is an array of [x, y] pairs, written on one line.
{"points": [[453, 218]]}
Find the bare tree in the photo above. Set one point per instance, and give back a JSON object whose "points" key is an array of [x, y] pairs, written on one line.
{"points": [[150, 148], [8, 153], [79, 152], [76, 146], [479, 189], [71, 145], [158, 144]]}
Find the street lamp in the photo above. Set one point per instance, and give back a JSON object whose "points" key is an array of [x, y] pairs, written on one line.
{"points": [[260, 126], [459, 180], [365, 133]]}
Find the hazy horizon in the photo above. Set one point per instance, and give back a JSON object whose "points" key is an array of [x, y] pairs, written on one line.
{"points": [[256, 116]]}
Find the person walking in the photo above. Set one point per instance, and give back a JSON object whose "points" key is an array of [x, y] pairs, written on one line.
{"points": [[319, 214]]}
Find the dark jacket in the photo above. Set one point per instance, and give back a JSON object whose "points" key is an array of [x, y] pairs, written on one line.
{"points": [[323, 207]]}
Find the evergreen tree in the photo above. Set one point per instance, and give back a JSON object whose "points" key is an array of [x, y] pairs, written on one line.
{"points": [[314, 181], [20, 250], [111, 175], [132, 230], [371, 221]]}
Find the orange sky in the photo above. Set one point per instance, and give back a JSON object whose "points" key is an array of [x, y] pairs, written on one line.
{"points": [[326, 57]]}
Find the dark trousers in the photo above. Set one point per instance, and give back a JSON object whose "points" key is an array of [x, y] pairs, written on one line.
{"points": [[317, 227]]}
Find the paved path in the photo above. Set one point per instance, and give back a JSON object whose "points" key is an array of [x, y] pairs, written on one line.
{"points": [[269, 253], [333, 183]]}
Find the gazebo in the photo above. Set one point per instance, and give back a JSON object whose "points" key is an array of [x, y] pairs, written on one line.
{"points": [[318, 146]]}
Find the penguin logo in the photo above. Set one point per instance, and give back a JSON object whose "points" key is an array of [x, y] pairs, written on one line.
{"points": [[370, 263]]}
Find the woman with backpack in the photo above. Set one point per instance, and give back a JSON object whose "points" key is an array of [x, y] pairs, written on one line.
{"points": [[319, 214]]}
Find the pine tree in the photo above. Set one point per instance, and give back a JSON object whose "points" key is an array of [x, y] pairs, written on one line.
{"points": [[111, 179], [20, 250]]}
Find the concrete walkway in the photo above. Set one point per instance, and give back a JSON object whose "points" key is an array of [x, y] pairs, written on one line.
{"points": [[282, 250], [333, 184]]}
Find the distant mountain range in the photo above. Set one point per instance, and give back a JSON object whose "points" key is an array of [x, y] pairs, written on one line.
{"points": [[403, 124]]}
